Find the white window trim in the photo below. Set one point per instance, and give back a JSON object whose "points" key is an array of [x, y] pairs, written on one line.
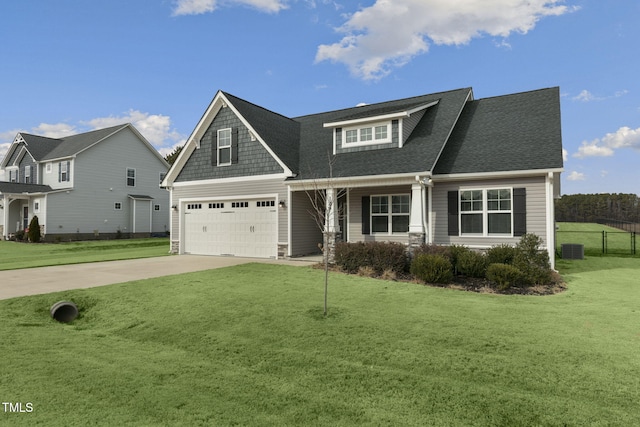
{"points": [[135, 173], [11, 170], [485, 213], [218, 147], [27, 174], [49, 167], [389, 215], [373, 141]]}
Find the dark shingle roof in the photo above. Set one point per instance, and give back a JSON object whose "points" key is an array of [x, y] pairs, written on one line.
{"points": [[39, 146], [74, 144], [417, 155], [18, 188], [506, 133], [279, 132]]}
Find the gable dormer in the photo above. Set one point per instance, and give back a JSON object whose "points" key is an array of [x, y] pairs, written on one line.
{"points": [[376, 130]]}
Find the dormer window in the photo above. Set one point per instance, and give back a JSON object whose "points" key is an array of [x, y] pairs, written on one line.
{"points": [[378, 133]]}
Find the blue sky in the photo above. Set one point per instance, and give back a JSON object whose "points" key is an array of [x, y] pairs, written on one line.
{"points": [[70, 66]]}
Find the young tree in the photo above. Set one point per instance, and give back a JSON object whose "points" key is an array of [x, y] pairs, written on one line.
{"points": [[324, 196]]}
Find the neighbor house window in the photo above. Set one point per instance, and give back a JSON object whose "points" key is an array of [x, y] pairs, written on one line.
{"points": [[27, 174], [131, 177], [486, 212], [390, 213], [224, 147], [156, 207], [64, 174], [117, 206], [36, 207], [49, 168], [371, 134]]}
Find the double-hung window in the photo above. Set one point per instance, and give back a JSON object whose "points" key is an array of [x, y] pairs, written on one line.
{"points": [[224, 147], [486, 212], [27, 174], [390, 213], [13, 175], [64, 174], [131, 177]]}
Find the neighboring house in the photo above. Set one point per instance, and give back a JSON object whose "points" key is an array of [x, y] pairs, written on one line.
{"points": [[440, 168], [99, 184]]}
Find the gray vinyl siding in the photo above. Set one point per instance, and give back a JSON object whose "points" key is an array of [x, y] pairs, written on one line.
{"points": [[253, 158], [305, 232], [355, 214], [536, 206], [99, 181], [231, 189]]}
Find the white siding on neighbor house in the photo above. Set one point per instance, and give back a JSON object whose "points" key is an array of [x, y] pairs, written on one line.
{"points": [[536, 210], [99, 177], [229, 188]]}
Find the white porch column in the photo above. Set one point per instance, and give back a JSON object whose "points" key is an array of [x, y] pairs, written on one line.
{"points": [[5, 216], [332, 225], [416, 215]]}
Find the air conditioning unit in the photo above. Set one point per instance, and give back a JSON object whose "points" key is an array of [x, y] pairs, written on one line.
{"points": [[572, 251]]}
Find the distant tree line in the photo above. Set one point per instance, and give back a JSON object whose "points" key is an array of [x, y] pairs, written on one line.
{"points": [[171, 157], [598, 207]]}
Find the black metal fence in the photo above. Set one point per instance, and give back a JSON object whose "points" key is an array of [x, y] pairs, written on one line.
{"points": [[599, 242]]}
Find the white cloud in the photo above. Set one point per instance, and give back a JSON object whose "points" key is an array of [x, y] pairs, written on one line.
{"points": [[57, 130], [156, 128], [197, 7], [586, 96], [576, 176], [624, 137], [390, 33]]}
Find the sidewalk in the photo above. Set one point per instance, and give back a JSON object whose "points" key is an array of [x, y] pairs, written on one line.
{"points": [[42, 280]]}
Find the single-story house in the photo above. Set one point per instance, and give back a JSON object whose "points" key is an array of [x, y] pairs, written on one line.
{"points": [[442, 168]]}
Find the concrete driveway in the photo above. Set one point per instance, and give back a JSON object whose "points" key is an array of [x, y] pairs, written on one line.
{"points": [[43, 280]]}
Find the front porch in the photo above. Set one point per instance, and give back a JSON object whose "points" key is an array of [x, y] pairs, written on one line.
{"points": [[391, 210]]}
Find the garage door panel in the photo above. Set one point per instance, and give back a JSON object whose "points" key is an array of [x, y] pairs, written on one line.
{"points": [[239, 228]]}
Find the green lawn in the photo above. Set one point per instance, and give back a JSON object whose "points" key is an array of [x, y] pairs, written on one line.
{"points": [[248, 345], [618, 242], [14, 255]]}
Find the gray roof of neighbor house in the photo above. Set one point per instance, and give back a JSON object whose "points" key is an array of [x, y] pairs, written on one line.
{"points": [[18, 188], [506, 133], [43, 148], [418, 153]]}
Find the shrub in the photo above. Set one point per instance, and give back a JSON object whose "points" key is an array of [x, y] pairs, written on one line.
{"points": [[472, 263], [34, 230], [432, 268], [456, 251], [19, 236], [532, 261], [389, 275], [501, 254], [380, 256], [431, 249], [503, 276]]}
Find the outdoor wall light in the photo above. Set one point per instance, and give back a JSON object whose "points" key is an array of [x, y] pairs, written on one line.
{"points": [[281, 204], [174, 207]]}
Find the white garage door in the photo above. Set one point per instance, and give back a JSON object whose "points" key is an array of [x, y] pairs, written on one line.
{"points": [[244, 228]]}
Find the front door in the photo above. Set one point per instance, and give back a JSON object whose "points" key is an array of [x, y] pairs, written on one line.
{"points": [[25, 217]]}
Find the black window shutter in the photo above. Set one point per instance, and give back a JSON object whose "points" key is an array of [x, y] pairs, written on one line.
{"points": [[60, 172], [366, 219], [452, 210], [68, 171], [519, 211], [234, 145], [214, 148]]}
